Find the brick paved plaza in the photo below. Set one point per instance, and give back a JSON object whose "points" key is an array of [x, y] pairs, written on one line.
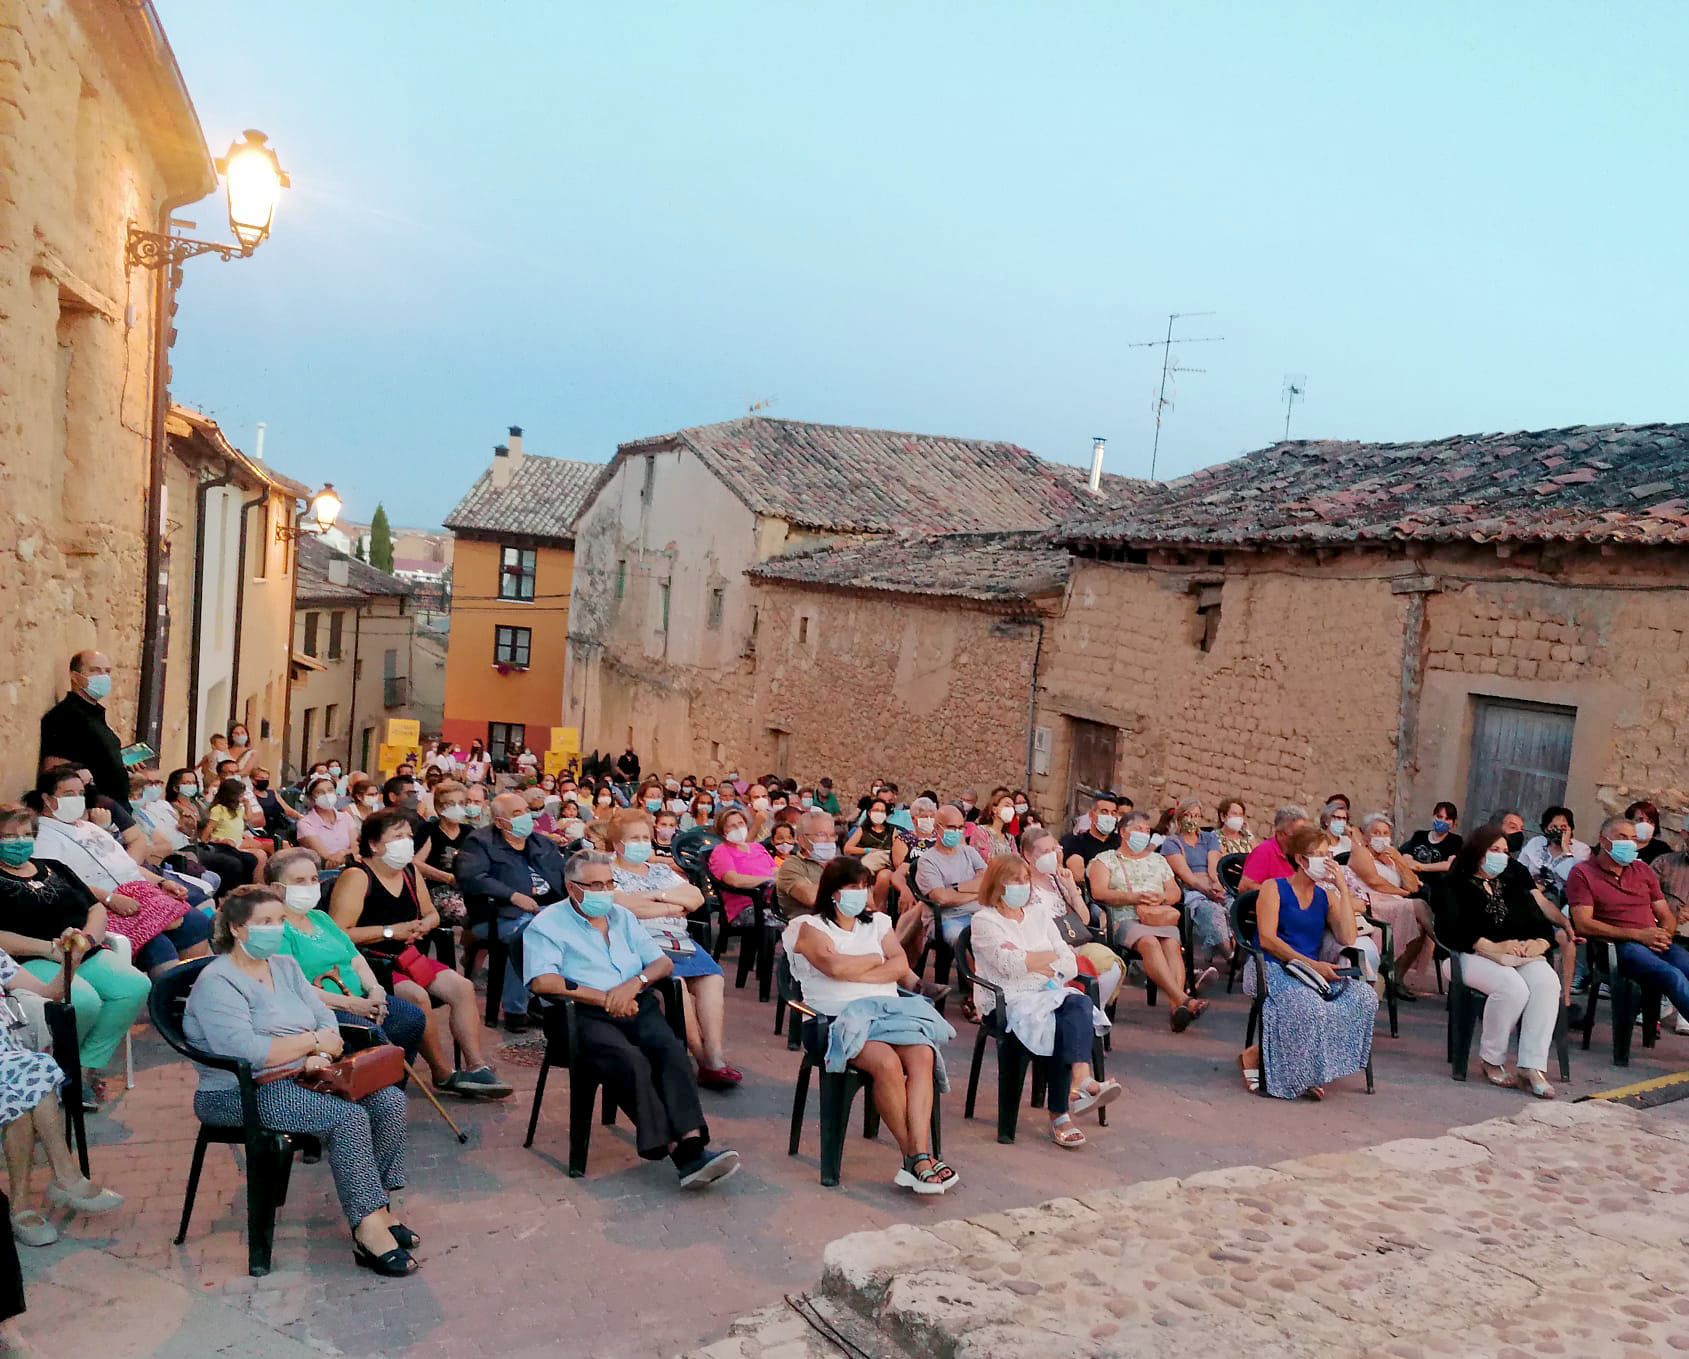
{"points": [[521, 1261]]}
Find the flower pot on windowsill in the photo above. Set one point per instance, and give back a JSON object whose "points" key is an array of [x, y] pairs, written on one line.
{"points": [[505, 668]]}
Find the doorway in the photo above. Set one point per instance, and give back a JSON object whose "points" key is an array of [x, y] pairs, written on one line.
{"points": [[1520, 755], [1094, 758]]}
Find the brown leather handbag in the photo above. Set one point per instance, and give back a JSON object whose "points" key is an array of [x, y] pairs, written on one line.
{"points": [[352, 1076]]}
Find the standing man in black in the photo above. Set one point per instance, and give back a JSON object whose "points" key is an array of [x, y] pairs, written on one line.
{"points": [[627, 765], [75, 728]]}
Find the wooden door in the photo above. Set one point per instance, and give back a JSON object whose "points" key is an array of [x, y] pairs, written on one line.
{"points": [[1520, 755], [1095, 756]]}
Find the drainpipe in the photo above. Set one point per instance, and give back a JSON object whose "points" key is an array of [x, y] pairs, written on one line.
{"points": [[290, 562], [198, 626], [246, 508], [352, 706], [1032, 697]]}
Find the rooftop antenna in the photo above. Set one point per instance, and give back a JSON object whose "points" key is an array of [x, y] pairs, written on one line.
{"points": [[761, 405], [1168, 366], [1295, 389]]}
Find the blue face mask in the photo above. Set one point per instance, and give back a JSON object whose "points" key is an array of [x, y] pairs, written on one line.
{"points": [[1016, 895], [852, 900], [522, 826], [17, 850], [636, 851], [99, 687], [1138, 841], [597, 903], [1623, 852], [1440, 826], [951, 838], [262, 941], [1495, 863], [653, 805], [823, 851]]}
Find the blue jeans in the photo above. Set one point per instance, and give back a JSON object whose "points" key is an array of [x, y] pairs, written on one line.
{"points": [[513, 1000], [1669, 970], [195, 929], [1074, 1031]]}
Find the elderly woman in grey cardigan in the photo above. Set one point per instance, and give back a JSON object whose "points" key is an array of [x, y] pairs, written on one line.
{"points": [[254, 1003]]}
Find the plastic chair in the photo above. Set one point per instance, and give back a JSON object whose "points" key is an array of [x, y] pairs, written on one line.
{"points": [[1466, 1004], [1630, 998], [1012, 1057], [557, 1020], [483, 911], [838, 1088], [757, 928], [269, 1153]]}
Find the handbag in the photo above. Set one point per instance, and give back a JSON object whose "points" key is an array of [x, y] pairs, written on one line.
{"points": [[353, 1076], [1073, 934]]}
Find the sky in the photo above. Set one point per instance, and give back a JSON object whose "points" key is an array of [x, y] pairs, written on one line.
{"points": [[607, 221]]}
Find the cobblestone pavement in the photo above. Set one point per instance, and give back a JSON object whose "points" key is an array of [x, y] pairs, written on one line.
{"points": [[1559, 1230], [521, 1261]]}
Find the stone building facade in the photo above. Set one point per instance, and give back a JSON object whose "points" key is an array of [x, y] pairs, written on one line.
{"points": [[96, 133]]}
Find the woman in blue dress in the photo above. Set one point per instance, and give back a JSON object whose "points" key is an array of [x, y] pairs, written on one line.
{"points": [[1310, 1040]]}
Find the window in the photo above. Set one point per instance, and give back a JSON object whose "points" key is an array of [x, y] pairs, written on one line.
{"points": [[369, 738], [505, 740], [650, 479], [266, 536], [307, 741], [803, 636], [311, 634], [516, 573], [511, 645], [1208, 616], [663, 601], [621, 579], [357, 670], [331, 719], [336, 632], [718, 597]]}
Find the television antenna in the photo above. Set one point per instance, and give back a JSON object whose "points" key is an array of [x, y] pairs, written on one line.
{"points": [[1168, 366], [1295, 389]]}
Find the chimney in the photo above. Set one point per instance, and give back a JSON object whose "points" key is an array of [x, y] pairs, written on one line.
{"points": [[1099, 446], [503, 468], [339, 571], [516, 445], [258, 444]]}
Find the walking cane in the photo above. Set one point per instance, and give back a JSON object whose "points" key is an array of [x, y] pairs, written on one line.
{"points": [[421, 1082]]}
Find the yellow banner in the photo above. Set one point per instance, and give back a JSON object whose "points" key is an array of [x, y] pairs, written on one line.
{"points": [[557, 761], [565, 738], [390, 757], [404, 731]]}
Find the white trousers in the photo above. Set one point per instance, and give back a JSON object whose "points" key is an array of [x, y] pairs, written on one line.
{"points": [[1530, 991]]}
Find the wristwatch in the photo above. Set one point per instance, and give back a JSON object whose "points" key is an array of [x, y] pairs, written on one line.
{"points": [[644, 980], [387, 932]]}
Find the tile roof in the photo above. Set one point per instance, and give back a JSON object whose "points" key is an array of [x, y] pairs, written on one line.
{"points": [[1600, 483], [544, 498], [844, 479], [183, 422], [990, 567], [362, 580]]}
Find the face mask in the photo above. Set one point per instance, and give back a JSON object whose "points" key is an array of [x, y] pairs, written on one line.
{"points": [[99, 686], [1190, 823], [687, 791], [1319, 868], [261, 785], [1020, 809], [597, 902], [1379, 843], [1234, 824], [1338, 826], [1105, 823], [877, 818], [636, 851], [1644, 832], [334, 771], [410, 800], [398, 853], [822, 851], [736, 835], [1439, 826], [603, 802], [571, 830], [1623, 852], [1138, 841], [262, 941], [1495, 863], [924, 825], [522, 825], [372, 804], [653, 805], [187, 790], [759, 804], [1515, 841], [17, 851], [852, 901], [665, 835], [951, 837], [302, 896], [1047, 863], [1016, 895], [237, 740], [806, 802], [784, 847], [454, 814], [71, 809], [152, 793], [1006, 814]]}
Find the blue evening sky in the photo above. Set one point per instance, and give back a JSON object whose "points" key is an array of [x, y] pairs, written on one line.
{"points": [[608, 220]]}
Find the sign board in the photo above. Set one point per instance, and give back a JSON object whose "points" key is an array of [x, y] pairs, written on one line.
{"points": [[390, 757], [404, 731], [565, 738], [557, 761]]}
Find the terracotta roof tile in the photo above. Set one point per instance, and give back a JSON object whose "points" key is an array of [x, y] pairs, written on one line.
{"points": [[362, 580], [989, 567], [544, 498]]}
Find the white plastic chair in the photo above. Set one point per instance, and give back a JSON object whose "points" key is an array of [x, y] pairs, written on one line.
{"points": [[125, 952]]}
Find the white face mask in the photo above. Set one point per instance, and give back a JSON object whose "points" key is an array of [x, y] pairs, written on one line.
{"points": [[736, 835], [1319, 868], [877, 818], [1105, 823], [1234, 823], [1005, 814], [1047, 863], [326, 801], [71, 809], [1338, 826], [302, 897], [1644, 831], [398, 853], [925, 824], [1379, 843], [454, 814], [372, 804], [759, 804]]}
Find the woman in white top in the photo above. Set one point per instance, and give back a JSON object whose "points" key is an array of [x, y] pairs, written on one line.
{"points": [[1392, 888], [1020, 952], [845, 953], [1550, 857], [1055, 890]]}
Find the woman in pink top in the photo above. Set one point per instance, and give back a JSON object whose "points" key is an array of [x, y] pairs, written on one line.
{"points": [[738, 861]]}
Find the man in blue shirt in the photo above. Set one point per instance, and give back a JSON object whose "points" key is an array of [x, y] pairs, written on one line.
{"points": [[521, 873], [596, 953]]}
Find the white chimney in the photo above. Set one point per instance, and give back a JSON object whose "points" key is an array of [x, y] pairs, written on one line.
{"points": [[1099, 445], [258, 444], [502, 470], [516, 446], [339, 571]]}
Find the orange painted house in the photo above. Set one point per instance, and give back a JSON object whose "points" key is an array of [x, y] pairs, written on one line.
{"points": [[513, 561]]}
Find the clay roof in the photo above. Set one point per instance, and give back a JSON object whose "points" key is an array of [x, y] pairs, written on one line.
{"points": [[206, 437], [363, 581], [844, 479], [990, 567], [543, 499], [1589, 483]]}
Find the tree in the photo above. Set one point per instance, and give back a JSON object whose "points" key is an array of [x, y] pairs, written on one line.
{"points": [[380, 540], [358, 549]]}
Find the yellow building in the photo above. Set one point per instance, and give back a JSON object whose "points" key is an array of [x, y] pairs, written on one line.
{"points": [[513, 564]]}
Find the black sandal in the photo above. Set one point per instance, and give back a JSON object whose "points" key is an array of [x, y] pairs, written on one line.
{"points": [[407, 1239], [395, 1264]]}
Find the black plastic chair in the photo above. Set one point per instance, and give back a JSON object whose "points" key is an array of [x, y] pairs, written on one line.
{"points": [[933, 946], [479, 912], [1013, 1059], [557, 1020], [1243, 930], [838, 1089], [757, 929], [1466, 1004], [1630, 998], [269, 1153], [1110, 935]]}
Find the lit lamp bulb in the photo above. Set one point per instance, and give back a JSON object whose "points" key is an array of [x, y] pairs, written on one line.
{"points": [[255, 180], [325, 507]]}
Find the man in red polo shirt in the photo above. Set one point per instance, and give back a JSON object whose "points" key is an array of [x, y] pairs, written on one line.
{"points": [[1268, 860], [1614, 897]]}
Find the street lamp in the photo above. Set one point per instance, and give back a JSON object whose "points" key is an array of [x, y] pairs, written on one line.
{"points": [[322, 510], [254, 180]]}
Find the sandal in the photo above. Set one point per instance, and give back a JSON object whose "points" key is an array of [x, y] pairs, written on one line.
{"points": [[1181, 1017], [1069, 1137], [937, 1178], [1499, 1075], [1537, 1084], [1251, 1075], [970, 1011], [88, 1199], [395, 1264], [1086, 1100], [407, 1239], [1203, 978], [718, 1078], [1315, 1093]]}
